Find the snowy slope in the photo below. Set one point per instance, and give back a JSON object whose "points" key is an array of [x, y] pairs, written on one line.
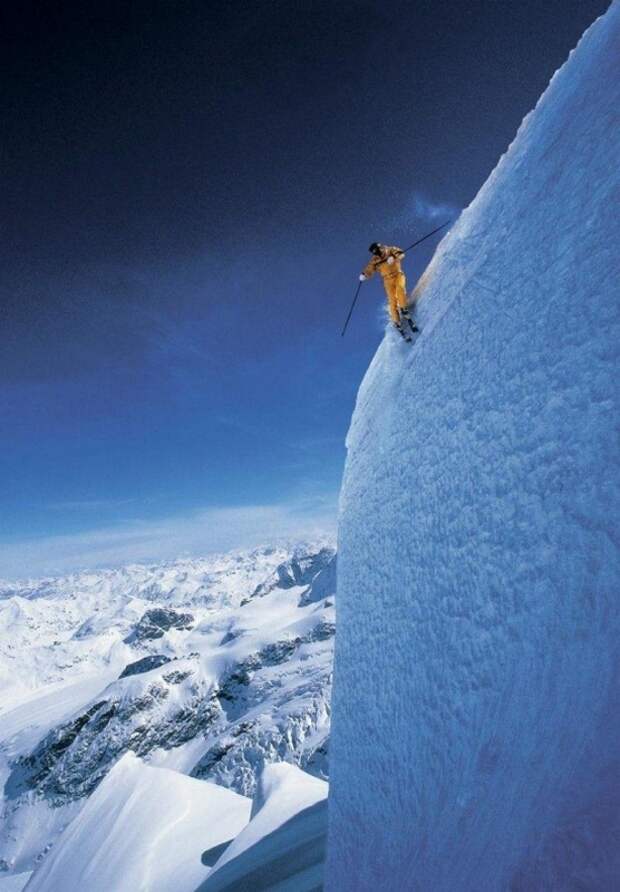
{"points": [[209, 667], [15, 882], [143, 829], [283, 845], [479, 565]]}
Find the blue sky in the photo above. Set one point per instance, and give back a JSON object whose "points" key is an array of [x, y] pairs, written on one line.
{"points": [[189, 198]]}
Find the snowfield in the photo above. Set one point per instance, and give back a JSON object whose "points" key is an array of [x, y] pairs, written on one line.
{"points": [[206, 669], [476, 713]]}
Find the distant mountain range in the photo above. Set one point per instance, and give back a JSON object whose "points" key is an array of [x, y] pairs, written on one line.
{"points": [[212, 667]]}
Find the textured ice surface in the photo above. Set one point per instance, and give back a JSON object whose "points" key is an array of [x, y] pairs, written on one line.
{"points": [[476, 705]]}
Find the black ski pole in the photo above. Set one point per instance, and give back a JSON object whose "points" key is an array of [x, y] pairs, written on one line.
{"points": [[420, 240], [359, 285], [428, 235]]}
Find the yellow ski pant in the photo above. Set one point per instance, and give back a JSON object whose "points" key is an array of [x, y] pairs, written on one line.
{"points": [[396, 290]]}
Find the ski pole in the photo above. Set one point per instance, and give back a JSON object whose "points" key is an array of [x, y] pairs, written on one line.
{"points": [[359, 285], [420, 240], [428, 235]]}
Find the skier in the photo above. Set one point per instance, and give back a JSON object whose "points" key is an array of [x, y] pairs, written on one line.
{"points": [[388, 261]]}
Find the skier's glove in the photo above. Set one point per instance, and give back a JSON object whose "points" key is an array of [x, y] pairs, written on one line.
{"points": [[362, 277], [390, 259]]}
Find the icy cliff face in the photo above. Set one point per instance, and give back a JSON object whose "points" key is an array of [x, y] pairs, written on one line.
{"points": [[210, 667], [477, 697]]}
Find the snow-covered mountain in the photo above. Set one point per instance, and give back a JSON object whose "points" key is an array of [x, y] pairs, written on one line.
{"points": [[210, 667], [479, 560]]}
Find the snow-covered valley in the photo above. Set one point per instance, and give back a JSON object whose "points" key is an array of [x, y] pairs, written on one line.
{"points": [[204, 669]]}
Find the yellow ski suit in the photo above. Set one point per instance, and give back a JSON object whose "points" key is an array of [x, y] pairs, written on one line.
{"points": [[393, 277]]}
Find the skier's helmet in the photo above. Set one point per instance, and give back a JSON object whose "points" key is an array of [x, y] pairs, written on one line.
{"points": [[375, 248]]}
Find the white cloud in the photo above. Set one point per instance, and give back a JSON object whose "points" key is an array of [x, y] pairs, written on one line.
{"points": [[423, 208], [420, 209], [89, 504], [198, 533]]}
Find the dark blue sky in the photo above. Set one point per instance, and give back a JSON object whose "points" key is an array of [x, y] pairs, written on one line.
{"points": [[188, 192]]}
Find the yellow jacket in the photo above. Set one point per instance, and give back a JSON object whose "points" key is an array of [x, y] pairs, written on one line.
{"points": [[387, 270]]}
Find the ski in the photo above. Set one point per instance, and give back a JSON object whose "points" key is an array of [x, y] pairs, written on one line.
{"points": [[403, 334], [404, 314]]}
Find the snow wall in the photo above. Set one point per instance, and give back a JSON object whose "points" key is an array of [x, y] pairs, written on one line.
{"points": [[476, 720]]}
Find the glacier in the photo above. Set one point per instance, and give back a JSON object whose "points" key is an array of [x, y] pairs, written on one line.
{"points": [[476, 702]]}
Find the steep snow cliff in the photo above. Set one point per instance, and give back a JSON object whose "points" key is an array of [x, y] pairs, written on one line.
{"points": [[477, 700]]}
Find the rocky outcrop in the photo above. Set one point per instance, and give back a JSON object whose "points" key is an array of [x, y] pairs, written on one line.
{"points": [[155, 622], [73, 758], [144, 665], [300, 570]]}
